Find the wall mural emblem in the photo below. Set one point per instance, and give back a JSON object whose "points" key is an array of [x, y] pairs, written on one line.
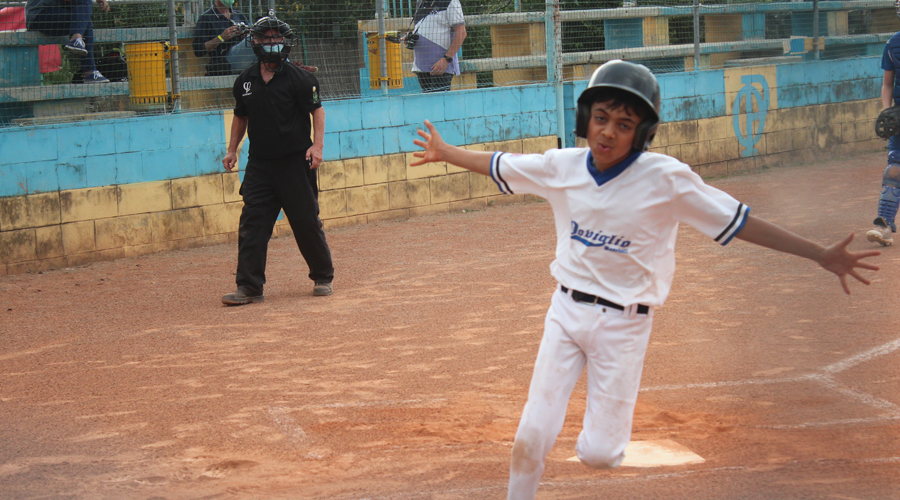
{"points": [[754, 121]]}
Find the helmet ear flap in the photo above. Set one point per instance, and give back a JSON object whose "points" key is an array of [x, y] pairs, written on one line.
{"points": [[644, 134], [582, 116]]}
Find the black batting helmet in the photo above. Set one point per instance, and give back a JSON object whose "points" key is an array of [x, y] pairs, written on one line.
{"points": [[633, 78], [264, 52]]}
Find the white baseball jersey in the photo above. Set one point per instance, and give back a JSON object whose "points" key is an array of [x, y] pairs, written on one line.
{"points": [[616, 229]]}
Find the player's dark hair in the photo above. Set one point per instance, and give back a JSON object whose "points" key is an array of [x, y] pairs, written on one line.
{"points": [[618, 98], [625, 84]]}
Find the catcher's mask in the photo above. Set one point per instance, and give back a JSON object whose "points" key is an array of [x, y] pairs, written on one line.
{"points": [[633, 78], [271, 47]]}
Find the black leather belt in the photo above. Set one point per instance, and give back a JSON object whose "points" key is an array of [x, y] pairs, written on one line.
{"points": [[593, 299]]}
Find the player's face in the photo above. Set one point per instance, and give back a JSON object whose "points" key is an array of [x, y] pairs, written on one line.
{"points": [[610, 133]]}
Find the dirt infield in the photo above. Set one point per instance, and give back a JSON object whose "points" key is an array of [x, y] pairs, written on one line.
{"points": [[129, 379]]}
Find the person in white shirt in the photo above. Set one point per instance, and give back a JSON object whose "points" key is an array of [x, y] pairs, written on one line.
{"points": [[617, 209], [441, 29]]}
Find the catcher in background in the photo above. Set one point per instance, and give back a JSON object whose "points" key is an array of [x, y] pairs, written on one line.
{"points": [[617, 209], [888, 127]]}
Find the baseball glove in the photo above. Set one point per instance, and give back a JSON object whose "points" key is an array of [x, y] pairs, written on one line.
{"points": [[888, 123]]}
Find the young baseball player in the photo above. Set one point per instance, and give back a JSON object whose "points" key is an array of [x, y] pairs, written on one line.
{"points": [[617, 208]]}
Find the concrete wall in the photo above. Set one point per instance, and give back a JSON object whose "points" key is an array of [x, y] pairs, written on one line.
{"points": [[74, 193]]}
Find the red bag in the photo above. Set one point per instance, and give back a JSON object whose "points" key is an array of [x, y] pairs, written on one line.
{"points": [[13, 19]]}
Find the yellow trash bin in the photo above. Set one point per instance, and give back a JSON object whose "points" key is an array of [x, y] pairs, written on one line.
{"points": [[147, 72], [394, 64]]}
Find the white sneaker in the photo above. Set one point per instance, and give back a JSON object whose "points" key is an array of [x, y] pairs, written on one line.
{"points": [[881, 233]]}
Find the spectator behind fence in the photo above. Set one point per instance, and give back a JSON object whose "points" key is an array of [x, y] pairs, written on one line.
{"points": [[72, 18], [439, 33], [219, 34]]}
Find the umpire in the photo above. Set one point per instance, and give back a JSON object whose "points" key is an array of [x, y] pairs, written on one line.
{"points": [[273, 103]]}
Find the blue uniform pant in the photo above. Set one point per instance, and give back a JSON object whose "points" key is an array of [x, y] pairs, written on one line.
{"points": [[67, 20], [268, 187], [890, 186]]}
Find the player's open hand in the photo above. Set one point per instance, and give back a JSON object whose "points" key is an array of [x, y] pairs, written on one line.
{"points": [[432, 145], [842, 262]]}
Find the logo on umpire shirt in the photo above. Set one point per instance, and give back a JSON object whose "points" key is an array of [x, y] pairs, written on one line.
{"points": [[247, 88], [613, 243]]}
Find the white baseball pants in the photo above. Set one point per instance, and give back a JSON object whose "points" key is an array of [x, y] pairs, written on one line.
{"points": [[612, 344]]}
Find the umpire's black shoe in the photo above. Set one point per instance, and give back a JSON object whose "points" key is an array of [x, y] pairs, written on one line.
{"points": [[323, 289], [242, 296]]}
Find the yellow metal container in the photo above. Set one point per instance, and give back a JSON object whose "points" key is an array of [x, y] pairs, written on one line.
{"points": [[147, 72], [394, 65]]}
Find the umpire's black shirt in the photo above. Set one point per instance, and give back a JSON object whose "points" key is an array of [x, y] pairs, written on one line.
{"points": [[278, 111]]}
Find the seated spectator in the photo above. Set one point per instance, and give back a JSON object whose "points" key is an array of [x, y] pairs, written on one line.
{"points": [[71, 18], [221, 30]]}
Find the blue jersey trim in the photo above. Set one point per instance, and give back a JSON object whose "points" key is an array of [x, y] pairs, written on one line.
{"points": [[609, 174], [495, 174], [743, 213]]}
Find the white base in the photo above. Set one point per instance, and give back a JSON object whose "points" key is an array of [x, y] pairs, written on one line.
{"points": [[657, 453]]}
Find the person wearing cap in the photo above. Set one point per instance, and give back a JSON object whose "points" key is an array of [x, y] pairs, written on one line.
{"points": [[218, 30], [617, 208]]}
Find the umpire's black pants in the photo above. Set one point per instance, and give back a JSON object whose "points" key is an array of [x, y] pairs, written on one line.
{"points": [[269, 186]]}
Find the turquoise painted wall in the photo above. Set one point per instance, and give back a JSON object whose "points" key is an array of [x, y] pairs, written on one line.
{"points": [[105, 152], [122, 151]]}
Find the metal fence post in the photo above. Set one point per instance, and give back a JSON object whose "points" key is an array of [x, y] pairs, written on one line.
{"points": [[816, 28], [173, 42], [382, 46], [553, 31], [696, 35]]}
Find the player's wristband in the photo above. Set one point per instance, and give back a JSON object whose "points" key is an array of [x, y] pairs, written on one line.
{"points": [[220, 38]]}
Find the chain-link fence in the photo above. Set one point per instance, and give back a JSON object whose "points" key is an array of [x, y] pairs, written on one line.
{"points": [[152, 56]]}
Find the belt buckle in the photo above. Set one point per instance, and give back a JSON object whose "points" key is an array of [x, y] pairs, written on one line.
{"points": [[596, 299]]}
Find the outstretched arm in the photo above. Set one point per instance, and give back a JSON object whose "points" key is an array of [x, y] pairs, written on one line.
{"points": [[436, 150], [834, 258]]}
